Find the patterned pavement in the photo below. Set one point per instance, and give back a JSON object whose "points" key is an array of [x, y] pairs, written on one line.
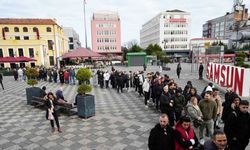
{"points": [[121, 122]]}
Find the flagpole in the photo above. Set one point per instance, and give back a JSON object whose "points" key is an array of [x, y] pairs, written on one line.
{"points": [[86, 40]]}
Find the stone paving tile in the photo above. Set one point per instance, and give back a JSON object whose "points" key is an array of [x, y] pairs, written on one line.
{"points": [[121, 121]]}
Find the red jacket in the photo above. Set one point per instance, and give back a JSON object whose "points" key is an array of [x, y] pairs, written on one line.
{"points": [[183, 137], [66, 75]]}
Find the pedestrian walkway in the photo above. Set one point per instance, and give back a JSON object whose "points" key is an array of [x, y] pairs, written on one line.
{"points": [[121, 122]]}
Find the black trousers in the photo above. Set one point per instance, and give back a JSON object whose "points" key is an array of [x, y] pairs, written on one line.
{"points": [[119, 87], [146, 95], [56, 120], [107, 83], [1, 82]]}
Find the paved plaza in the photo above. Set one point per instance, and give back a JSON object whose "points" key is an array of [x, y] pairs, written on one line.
{"points": [[121, 122]]}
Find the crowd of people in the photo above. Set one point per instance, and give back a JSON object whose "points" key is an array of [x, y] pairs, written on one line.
{"points": [[187, 116]]}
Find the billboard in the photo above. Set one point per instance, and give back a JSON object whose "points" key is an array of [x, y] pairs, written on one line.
{"points": [[230, 76]]}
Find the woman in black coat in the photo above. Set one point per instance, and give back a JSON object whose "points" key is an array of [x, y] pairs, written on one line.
{"points": [[50, 108]]}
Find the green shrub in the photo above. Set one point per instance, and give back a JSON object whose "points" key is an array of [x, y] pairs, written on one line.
{"points": [[84, 88], [32, 75], [83, 76]]}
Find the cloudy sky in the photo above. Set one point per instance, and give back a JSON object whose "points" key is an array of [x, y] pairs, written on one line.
{"points": [[133, 13]]}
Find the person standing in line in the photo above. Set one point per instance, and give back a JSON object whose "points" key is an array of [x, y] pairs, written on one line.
{"points": [[20, 74], [218, 142], [216, 97], [184, 134], [50, 105], [106, 78], [61, 76], [162, 135], [208, 108], [178, 70], [72, 75], [193, 110], [1, 80], [15, 74], [144, 67], [238, 123], [201, 68], [146, 88]]}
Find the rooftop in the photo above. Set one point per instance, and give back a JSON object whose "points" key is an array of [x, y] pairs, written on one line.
{"points": [[27, 21]]}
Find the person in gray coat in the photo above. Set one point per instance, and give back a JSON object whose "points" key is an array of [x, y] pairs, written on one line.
{"points": [[194, 112]]}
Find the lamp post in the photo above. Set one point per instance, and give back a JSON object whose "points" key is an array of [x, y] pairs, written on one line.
{"points": [[165, 41], [85, 28]]}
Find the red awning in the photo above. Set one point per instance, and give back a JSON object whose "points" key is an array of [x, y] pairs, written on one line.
{"points": [[81, 53], [15, 59]]}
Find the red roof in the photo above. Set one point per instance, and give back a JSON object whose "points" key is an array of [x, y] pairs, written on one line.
{"points": [[15, 59], [81, 53], [25, 21]]}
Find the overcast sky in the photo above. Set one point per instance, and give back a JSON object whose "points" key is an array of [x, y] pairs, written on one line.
{"points": [[133, 13]]}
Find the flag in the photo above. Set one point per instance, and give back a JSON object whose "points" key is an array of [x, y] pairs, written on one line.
{"points": [[3, 33], [37, 34]]}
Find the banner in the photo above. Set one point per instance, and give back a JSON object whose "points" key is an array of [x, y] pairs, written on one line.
{"points": [[230, 76]]}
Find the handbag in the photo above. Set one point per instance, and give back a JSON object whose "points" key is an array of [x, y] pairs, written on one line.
{"points": [[197, 123], [50, 116]]}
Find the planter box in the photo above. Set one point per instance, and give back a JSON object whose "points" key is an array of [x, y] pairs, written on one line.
{"points": [[85, 106], [33, 91]]}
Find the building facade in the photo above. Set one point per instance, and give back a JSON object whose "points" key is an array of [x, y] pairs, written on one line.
{"points": [[169, 29], [106, 33], [41, 39], [73, 37], [224, 26]]}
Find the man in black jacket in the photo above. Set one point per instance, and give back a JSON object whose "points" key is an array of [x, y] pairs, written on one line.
{"points": [[161, 136], [239, 123], [167, 105]]}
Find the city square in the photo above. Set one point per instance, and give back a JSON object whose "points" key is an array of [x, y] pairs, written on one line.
{"points": [[124, 75]]}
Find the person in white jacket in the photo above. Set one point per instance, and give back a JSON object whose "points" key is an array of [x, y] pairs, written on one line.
{"points": [[106, 78], [146, 88]]}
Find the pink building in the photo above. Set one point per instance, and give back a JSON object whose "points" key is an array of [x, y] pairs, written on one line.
{"points": [[106, 33]]}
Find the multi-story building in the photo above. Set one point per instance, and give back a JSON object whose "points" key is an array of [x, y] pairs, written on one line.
{"points": [[73, 38], [224, 26], [106, 33], [41, 39], [170, 30]]}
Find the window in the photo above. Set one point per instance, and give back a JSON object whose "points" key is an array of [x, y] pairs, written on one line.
{"points": [[70, 39], [1, 52], [25, 29], [26, 38], [31, 52], [16, 29], [17, 37], [20, 52], [48, 29], [11, 52], [6, 29], [51, 61], [50, 44], [71, 46], [35, 29], [32, 65]]}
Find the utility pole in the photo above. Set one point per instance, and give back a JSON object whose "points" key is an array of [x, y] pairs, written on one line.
{"points": [[85, 27]]}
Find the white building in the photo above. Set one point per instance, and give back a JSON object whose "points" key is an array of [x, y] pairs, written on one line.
{"points": [[73, 37], [170, 30]]}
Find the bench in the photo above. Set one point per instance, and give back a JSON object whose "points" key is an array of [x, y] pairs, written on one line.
{"points": [[65, 107]]}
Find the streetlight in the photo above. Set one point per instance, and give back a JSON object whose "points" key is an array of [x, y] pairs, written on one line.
{"points": [[85, 28]]}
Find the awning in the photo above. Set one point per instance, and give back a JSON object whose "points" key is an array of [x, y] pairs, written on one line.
{"points": [[81, 53], [15, 59]]}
